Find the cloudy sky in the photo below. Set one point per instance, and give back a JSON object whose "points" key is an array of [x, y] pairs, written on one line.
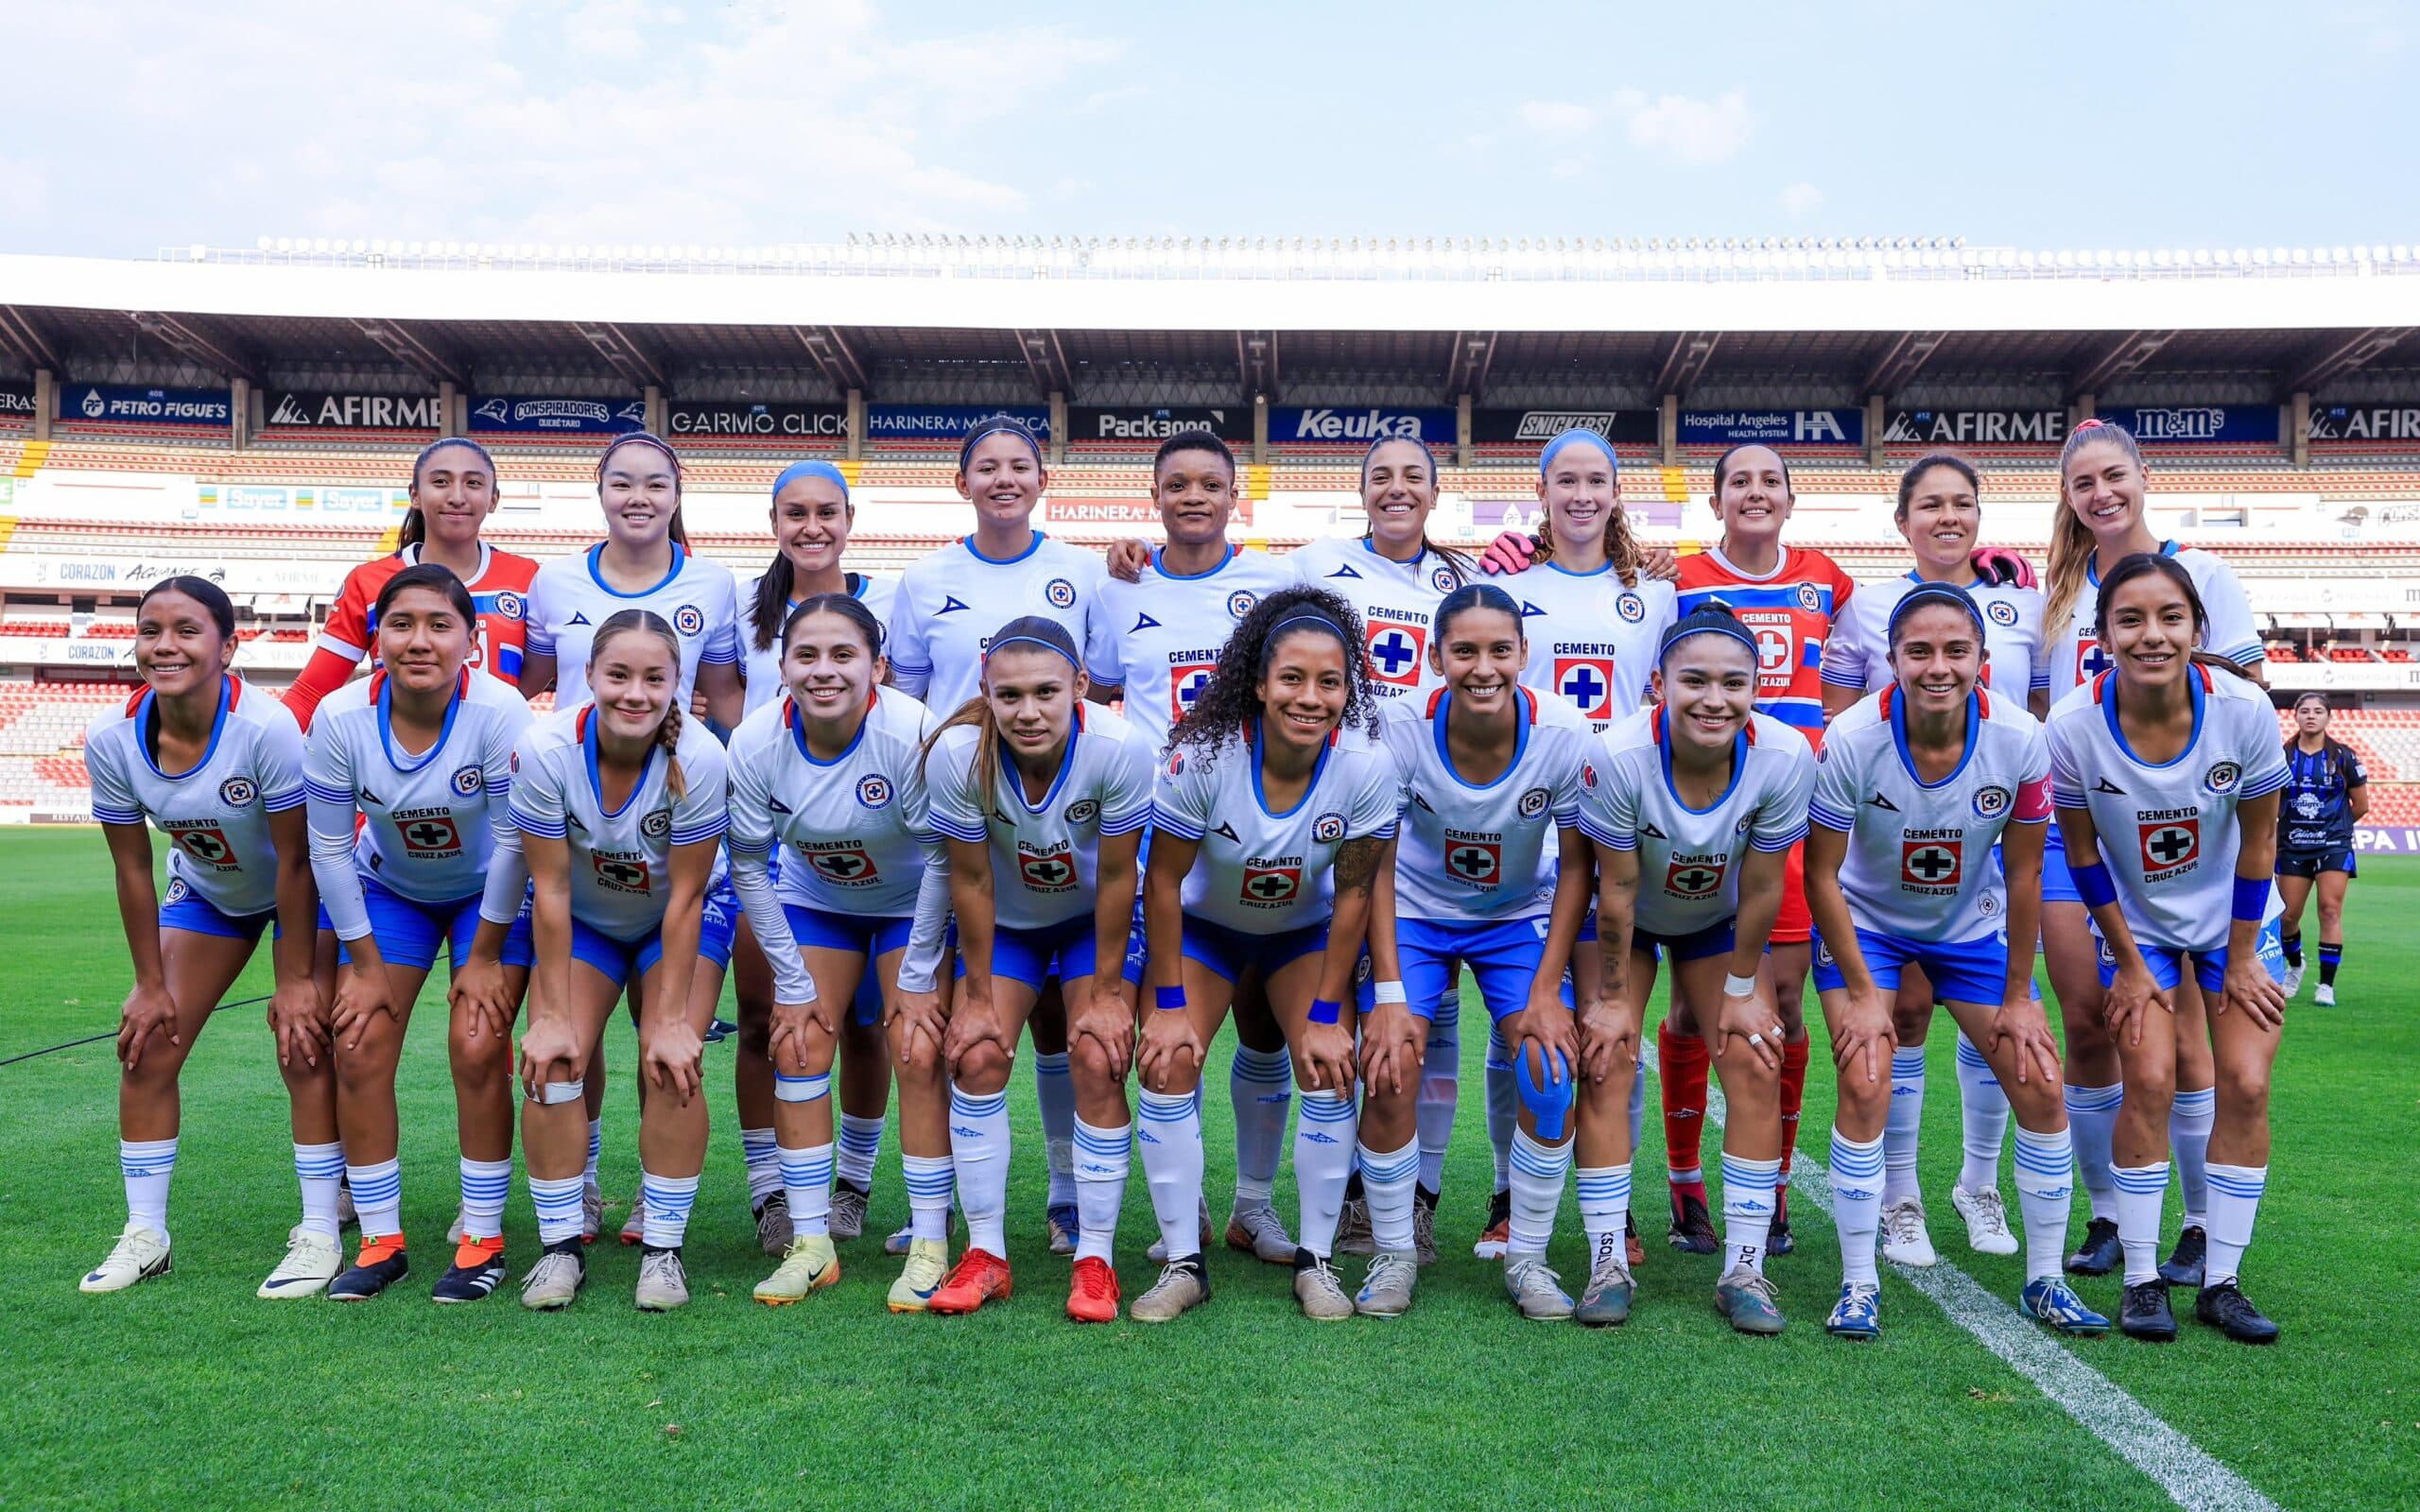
{"points": [[142, 124]]}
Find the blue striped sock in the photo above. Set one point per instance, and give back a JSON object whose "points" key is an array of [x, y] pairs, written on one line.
{"points": [[756, 1147], [930, 1180], [2235, 1204], [1388, 1178], [1604, 1207], [860, 1147], [1538, 1172], [2044, 1199], [484, 1185], [2190, 1117], [806, 1182], [2141, 1189], [1905, 1122], [978, 1146], [1748, 1188], [1324, 1145], [320, 1169], [378, 1197], [147, 1165], [1103, 1157], [1856, 1203], [1261, 1085], [559, 1205], [668, 1199]]}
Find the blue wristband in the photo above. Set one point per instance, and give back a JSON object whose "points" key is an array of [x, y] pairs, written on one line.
{"points": [[2093, 884], [1323, 1012], [2251, 899], [1169, 998]]}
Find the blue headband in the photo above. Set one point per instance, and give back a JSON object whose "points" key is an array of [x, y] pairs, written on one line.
{"points": [[812, 469], [1916, 598], [1321, 620], [1006, 640], [1001, 426], [1579, 436], [1691, 626]]}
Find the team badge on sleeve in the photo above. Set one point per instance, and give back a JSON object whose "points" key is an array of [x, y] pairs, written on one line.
{"points": [[689, 619], [238, 792]]}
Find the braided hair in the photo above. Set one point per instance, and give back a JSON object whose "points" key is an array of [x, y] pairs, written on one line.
{"points": [[667, 734], [1229, 700]]}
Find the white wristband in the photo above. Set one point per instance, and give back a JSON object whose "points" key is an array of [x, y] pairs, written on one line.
{"points": [[1387, 992], [1739, 986]]}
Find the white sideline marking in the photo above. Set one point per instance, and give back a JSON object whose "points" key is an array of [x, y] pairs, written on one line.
{"points": [[2177, 1465]]}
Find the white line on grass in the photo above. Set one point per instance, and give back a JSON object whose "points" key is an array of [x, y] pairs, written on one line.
{"points": [[2179, 1467]]}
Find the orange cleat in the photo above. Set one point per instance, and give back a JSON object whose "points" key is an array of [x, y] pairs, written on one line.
{"points": [[1092, 1295], [979, 1277]]}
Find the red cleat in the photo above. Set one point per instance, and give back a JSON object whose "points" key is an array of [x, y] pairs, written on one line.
{"points": [[1092, 1295], [979, 1277]]}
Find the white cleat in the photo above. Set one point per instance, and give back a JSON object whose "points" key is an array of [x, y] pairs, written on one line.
{"points": [[1257, 1231], [1158, 1253], [2293, 980], [138, 1254], [1987, 1229], [1904, 1239], [2325, 996], [312, 1260]]}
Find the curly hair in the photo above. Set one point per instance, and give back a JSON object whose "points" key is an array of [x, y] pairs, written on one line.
{"points": [[1228, 702]]}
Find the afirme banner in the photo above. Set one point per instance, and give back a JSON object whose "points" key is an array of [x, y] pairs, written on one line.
{"points": [[2197, 425], [1305, 425], [1099, 422], [947, 422], [745, 420], [312, 410], [123, 404], [2365, 422], [514, 414], [16, 399], [1536, 427], [1975, 427], [1773, 427]]}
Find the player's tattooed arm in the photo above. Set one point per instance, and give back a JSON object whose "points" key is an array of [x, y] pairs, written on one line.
{"points": [[1356, 864]]}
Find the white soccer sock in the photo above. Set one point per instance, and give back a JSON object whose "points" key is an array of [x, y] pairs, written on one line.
{"points": [[559, 1213], [1168, 1128], [978, 1149], [2045, 1187], [1538, 1171], [2141, 1189], [377, 1195], [930, 1178], [1104, 1158], [1903, 1122], [484, 1184], [1604, 1206], [759, 1148], [147, 1165], [806, 1184], [320, 1169], [595, 1148], [1440, 1087], [2092, 1122], [1055, 1090], [1322, 1163], [1261, 1084], [2235, 1203], [1982, 1112], [668, 1199], [1748, 1188], [1387, 1178], [1856, 1202], [860, 1147], [1503, 1105], [2188, 1134]]}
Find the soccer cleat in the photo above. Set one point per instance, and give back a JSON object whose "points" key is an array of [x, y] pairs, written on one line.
{"points": [[2143, 1312], [2052, 1300], [774, 1230], [634, 1227], [1353, 1235], [1257, 1231], [478, 1269], [1605, 1300], [561, 1272], [1778, 1239], [1158, 1253], [2224, 1307], [1634, 1247], [1692, 1228], [717, 1031], [1092, 1292], [2323, 998], [1905, 1240], [1065, 1227], [138, 1254], [663, 1281], [1986, 1215], [1498, 1231], [1859, 1312], [380, 1265], [981, 1277], [2100, 1252], [1423, 1227], [1318, 1289], [1183, 1286], [1386, 1288], [1746, 1300], [928, 1267], [849, 1206], [2184, 1265], [591, 1216], [807, 1264], [2293, 981], [1536, 1291], [312, 1260], [348, 1216]]}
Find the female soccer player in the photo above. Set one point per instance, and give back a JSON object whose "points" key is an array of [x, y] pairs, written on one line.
{"points": [[1491, 871], [218, 769], [1693, 804], [1927, 791], [811, 517], [1268, 835], [1043, 804], [830, 777], [453, 492], [423, 752], [620, 804], [2326, 795], [2104, 482], [2166, 777], [1940, 516]]}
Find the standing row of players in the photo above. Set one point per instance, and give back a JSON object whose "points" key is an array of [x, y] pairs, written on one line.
{"points": [[1016, 632]]}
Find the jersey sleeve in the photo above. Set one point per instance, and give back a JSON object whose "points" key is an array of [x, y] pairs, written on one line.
{"points": [[1608, 811], [908, 644], [951, 806], [113, 799], [537, 806], [2232, 631], [327, 780], [2355, 775], [1843, 664], [2067, 769], [750, 809], [1563, 784], [1126, 794], [347, 632], [1833, 801], [721, 645], [538, 629], [281, 762], [1780, 821], [1181, 796], [2033, 781], [496, 761], [2265, 769], [1100, 632], [1377, 803], [702, 811]]}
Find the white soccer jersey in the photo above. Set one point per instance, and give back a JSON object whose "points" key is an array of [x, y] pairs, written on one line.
{"points": [[621, 861], [430, 832], [1263, 872], [761, 666], [1397, 602], [951, 603], [852, 831], [1920, 862], [216, 814], [1857, 654], [2168, 832], [1475, 853], [1592, 641], [568, 601], [1045, 856], [1167, 632], [2076, 658], [1689, 876]]}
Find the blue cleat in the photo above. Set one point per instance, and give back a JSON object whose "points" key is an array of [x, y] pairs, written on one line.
{"points": [[1859, 1312], [2051, 1301]]}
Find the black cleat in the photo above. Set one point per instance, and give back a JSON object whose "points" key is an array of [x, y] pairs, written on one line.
{"points": [[718, 1031], [2143, 1313], [365, 1281], [2184, 1265], [1692, 1228], [470, 1282], [2225, 1307], [2100, 1252], [1779, 1240]]}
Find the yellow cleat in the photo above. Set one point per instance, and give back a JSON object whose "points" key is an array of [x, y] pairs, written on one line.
{"points": [[807, 1264], [928, 1267]]}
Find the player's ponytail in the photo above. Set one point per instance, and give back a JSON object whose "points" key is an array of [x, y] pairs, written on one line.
{"points": [[2071, 542], [667, 734], [414, 528]]}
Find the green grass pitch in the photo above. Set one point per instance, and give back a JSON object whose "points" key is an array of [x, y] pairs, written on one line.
{"points": [[187, 1392]]}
